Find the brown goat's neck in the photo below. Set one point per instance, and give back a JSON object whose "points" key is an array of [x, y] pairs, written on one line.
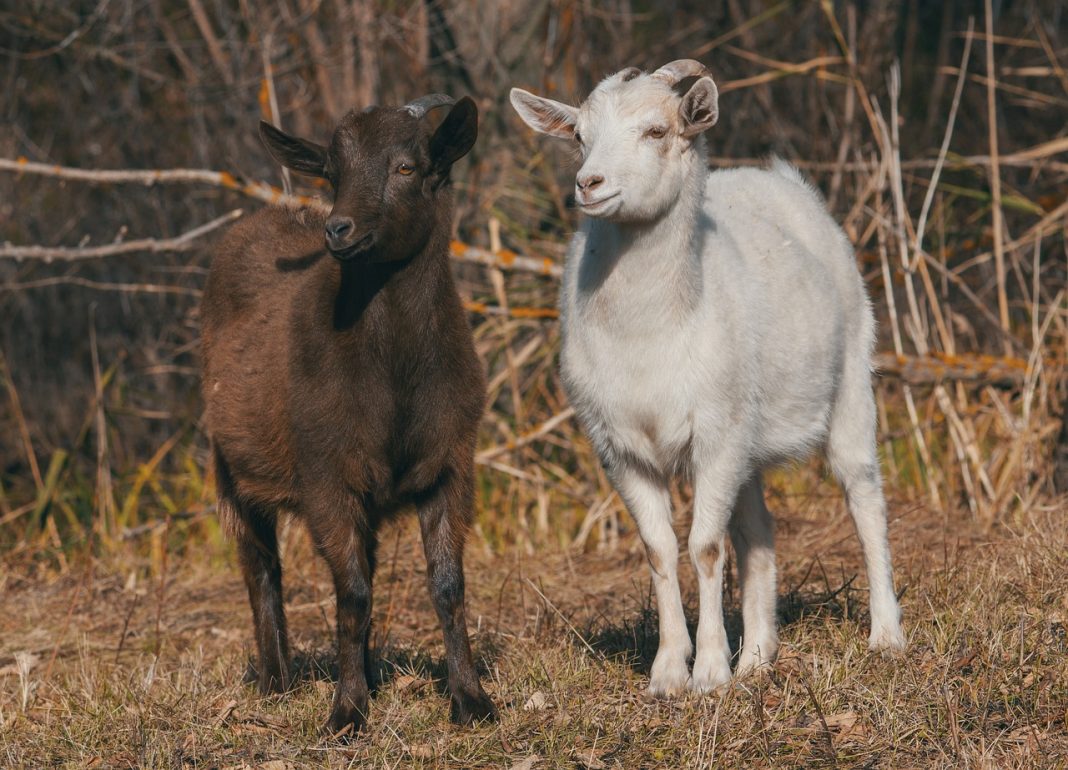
{"points": [[362, 284], [359, 285]]}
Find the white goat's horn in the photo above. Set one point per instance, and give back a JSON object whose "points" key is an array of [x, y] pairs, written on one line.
{"points": [[425, 104], [675, 71]]}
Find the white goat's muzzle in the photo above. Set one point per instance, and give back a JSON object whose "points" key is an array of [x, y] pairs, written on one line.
{"points": [[596, 195]]}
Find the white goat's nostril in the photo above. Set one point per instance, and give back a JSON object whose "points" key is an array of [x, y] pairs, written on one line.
{"points": [[589, 182]]}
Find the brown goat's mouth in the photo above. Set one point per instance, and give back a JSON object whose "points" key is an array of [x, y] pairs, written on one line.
{"points": [[353, 250]]}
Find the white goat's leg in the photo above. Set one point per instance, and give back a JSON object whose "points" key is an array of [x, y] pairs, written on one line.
{"points": [[650, 505], [752, 534], [851, 449], [716, 484]]}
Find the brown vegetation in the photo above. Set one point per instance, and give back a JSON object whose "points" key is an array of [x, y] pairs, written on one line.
{"points": [[947, 169]]}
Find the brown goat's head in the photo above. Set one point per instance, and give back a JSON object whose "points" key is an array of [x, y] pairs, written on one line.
{"points": [[386, 168]]}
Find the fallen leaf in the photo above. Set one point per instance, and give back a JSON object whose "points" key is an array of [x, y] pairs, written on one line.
{"points": [[225, 712], [841, 721], [1028, 734], [267, 720], [847, 724], [526, 764], [963, 662], [275, 764], [536, 702], [252, 727], [422, 751], [409, 683], [589, 759]]}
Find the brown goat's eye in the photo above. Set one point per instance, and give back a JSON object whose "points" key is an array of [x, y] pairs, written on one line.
{"points": [[405, 169], [656, 132]]}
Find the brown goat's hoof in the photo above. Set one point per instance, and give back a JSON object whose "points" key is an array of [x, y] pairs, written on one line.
{"points": [[267, 682], [273, 685], [470, 709], [345, 723]]}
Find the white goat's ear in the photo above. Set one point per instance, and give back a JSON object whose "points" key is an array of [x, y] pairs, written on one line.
{"points": [[699, 110], [672, 72], [545, 115]]}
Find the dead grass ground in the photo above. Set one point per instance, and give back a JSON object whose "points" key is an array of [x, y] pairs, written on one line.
{"points": [[101, 669]]}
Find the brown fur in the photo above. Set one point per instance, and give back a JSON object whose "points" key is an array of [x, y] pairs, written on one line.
{"points": [[707, 558], [342, 385]]}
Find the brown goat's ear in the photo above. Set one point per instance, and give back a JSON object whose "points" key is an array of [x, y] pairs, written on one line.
{"points": [[455, 136], [545, 115], [292, 152], [699, 110]]}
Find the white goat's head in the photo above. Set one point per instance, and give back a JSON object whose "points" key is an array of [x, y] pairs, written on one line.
{"points": [[633, 131]]}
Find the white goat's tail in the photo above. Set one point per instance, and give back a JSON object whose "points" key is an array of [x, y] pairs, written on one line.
{"points": [[789, 171]]}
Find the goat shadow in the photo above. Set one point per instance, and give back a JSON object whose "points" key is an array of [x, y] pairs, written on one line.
{"points": [[387, 663], [634, 640], [300, 262]]}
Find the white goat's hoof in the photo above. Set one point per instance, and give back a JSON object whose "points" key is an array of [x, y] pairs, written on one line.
{"points": [[758, 653], [669, 677], [888, 638], [750, 663], [708, 677]]}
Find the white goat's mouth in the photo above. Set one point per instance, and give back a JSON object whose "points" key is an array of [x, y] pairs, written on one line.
{"points": [[598, 206]]}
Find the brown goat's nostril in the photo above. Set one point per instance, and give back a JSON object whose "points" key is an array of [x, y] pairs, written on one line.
{"points": [[339, 228], [591, 182]]}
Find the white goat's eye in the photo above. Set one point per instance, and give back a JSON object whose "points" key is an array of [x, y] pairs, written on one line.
{"points": [[656, 132], [578, 137], [405, 169]]}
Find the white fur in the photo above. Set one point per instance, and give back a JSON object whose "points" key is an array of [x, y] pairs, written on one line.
{"points": [[713, 324]]}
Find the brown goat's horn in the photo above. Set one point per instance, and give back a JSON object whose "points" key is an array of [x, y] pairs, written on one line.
{"points": [[425, 104], [675, 71]]}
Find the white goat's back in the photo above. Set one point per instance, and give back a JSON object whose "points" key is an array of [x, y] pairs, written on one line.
{"points": [[807, 310]]}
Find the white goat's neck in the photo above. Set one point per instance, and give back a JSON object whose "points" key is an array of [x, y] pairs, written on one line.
{"points": [[648, 269]]}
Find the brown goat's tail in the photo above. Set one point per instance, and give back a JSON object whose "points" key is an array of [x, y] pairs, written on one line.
{"points": [[226, 506]]}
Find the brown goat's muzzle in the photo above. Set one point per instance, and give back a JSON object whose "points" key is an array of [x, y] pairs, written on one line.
{"points": [[343, 239], [344, 253]]}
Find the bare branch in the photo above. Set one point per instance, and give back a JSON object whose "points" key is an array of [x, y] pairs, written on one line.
{"points": [[258, 190], [71, 254], [934, 367], [541, 430], [87, 283], [504, 260]]}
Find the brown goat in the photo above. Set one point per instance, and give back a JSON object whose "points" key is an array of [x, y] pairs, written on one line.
{"points": [[342, 384]]}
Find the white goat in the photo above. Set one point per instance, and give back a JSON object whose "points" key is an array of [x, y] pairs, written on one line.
{"points": [[714, 324]]}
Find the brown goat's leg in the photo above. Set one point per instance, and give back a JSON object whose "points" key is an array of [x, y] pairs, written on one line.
{"points": [[257, 550], [444, 516], [347, 554]]}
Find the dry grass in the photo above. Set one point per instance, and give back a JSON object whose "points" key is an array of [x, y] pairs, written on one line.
{"points": [[100, 669]]}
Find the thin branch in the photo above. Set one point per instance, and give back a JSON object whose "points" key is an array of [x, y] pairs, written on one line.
{"points": [[182, 242], [77, 280], [505, 259], [937, 367], [259, 190], [995, 174], [526, 438]]}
